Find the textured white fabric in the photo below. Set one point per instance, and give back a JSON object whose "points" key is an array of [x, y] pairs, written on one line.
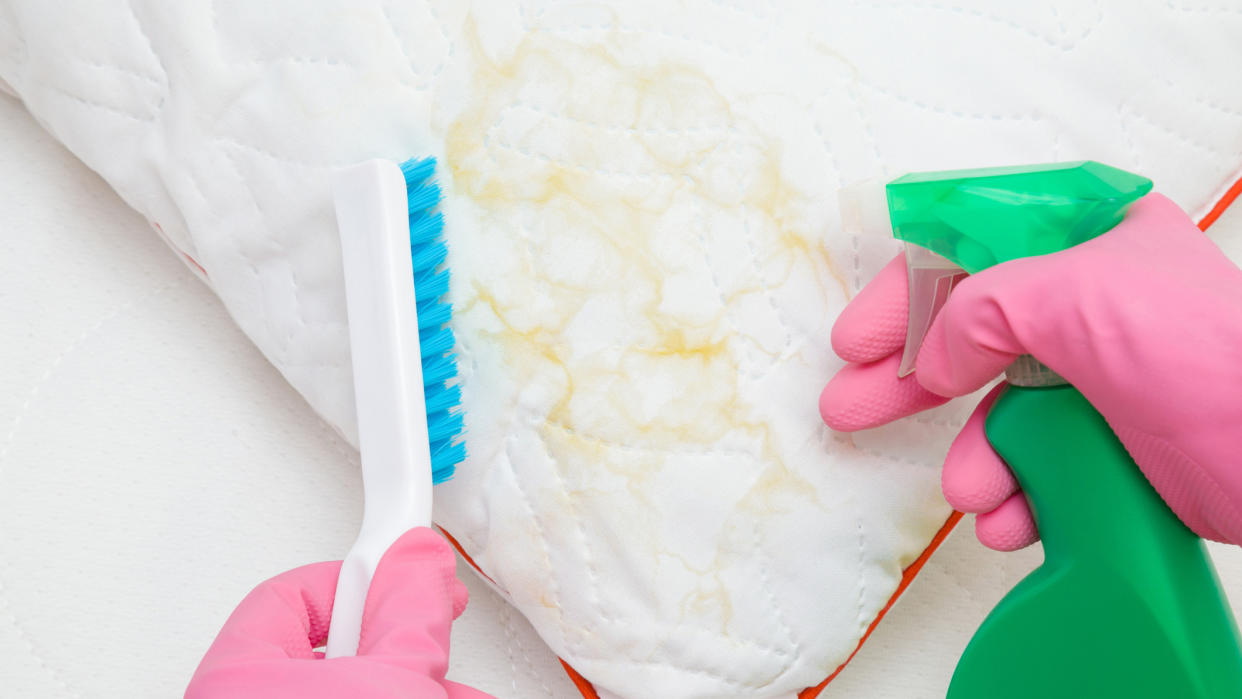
{"points": [[642, 207], [153, 465], [92, 441]]}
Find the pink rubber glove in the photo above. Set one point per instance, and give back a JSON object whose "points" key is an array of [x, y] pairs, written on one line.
{"points": [[1146, 321], [266, 648]]}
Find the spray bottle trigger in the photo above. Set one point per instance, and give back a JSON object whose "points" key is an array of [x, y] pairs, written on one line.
{"points": [[932, 279]]}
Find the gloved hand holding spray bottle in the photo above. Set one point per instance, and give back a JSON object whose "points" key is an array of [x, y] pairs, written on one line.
{"points": [[1147, 322]]}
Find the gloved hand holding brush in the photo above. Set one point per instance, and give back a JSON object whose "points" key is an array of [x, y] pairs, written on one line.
{"points": [[391, 603], [1146, 321], [266, 648]]}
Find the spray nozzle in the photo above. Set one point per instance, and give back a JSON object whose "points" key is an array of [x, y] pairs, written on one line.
{"points": [[964, 221]]}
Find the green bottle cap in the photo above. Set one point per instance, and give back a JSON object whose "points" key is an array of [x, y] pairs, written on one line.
{"points": [[982, 217]]}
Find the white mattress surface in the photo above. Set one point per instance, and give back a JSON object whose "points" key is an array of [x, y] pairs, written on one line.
{"points": [[133, 416], [151, 453]]}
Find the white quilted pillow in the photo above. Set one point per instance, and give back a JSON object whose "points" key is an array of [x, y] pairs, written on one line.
{"points": [[647, 257]]}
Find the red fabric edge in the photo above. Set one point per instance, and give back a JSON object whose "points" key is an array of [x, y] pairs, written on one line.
{"points": [[1222, 205], [907, 577], [588, 691]]}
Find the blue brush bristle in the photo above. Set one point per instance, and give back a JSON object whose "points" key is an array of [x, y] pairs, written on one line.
{"points": [[429, 286], [438, 370], [416, 171], [435, 343], [444, 400], [427, 250], [428, 256], [422, 198], [433, 315], [424, 228]]}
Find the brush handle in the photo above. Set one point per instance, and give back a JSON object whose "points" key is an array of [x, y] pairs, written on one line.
{"points": [[373, 217]]}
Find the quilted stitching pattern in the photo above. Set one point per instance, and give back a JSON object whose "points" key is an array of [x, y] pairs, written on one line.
{"points": [[643, 225]]}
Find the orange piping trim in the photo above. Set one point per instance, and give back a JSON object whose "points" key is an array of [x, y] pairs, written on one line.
{"points": [[1226, 200], [582, 684], [452, 540], [907, 577]]}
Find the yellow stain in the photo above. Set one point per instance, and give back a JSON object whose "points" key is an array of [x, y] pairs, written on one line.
{"points": [[651, 120]]}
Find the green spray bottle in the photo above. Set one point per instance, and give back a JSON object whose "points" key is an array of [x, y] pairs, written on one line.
{"points": [[1127, 602]]}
